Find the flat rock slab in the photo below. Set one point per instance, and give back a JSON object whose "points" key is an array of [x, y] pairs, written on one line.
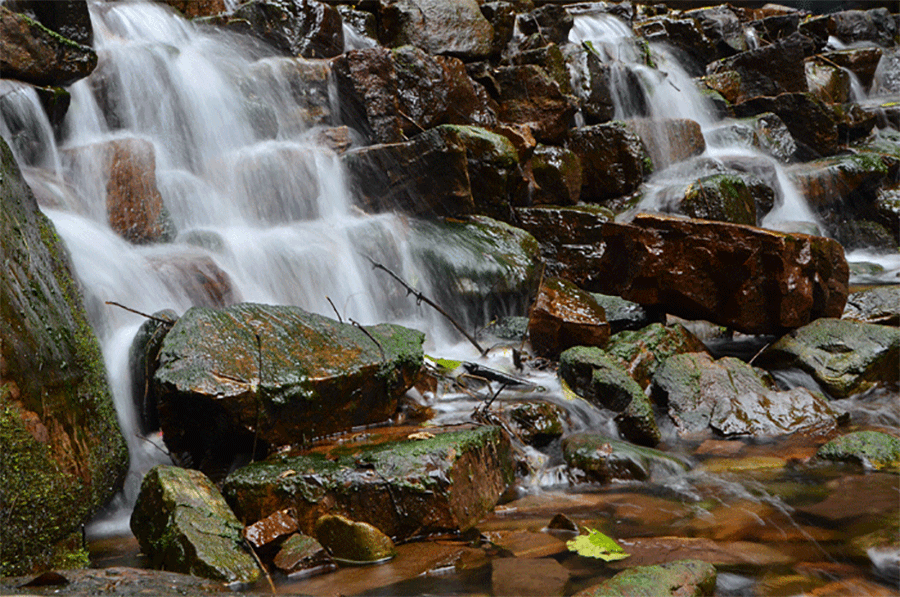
{"points": [[117, 580], [681, 578], [405, 489]]}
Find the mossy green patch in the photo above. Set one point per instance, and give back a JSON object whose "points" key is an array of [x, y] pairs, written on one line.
{"points": [[871, 449]]}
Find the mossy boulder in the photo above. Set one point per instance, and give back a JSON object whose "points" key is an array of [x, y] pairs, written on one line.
{"points": [[535, 422], [262, 375], [731, 398], [722, 197], [871, 449], [642, 351], [183, 524], [846, 357], [605, 460], [356, 542], [405, 489], [682, 578], [602, 380], [63, 452]]}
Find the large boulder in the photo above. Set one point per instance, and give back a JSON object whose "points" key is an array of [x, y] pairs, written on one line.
{"points": [[447, 27], [642, 351], [305, 28], [183, 524], [405, 489], [853, 179], [681, 578], [720, 197], [256, 376], [564, 316], [614, 161], [731, 398], [63, 453], [844, 356], [35, 54]]}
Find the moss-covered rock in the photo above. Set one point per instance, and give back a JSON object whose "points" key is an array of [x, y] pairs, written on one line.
{"points": [[721, 197], [406, 489], [604, 460], [184, 525], [880, 304], [357, 542], [642, 351], [268, 375], [143, 358], [682, 578], [871, 449], [63, 453], [601, 379], [535, 422], [844, 356], [557, 176]]}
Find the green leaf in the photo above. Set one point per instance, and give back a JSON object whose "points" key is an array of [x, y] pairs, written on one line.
{"points": [[597, 545], [444, 365]]}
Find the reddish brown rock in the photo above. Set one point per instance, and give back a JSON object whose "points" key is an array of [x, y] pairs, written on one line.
{"points": [[205, 283], [271, 529], [366, 84], [198, 8], [447, 27], [133, 202], [813, 124], [862, 62], [528, 95], [613, 160], [669, 141], [829, 83], [302, 554], [563, 316], [831, 182]]}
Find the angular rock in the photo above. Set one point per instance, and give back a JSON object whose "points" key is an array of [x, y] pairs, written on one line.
{"points": [[604, 460], [835, 181], [720, 197], [875, 25], [642, 351], [601, 380], [813, 124], [143, 358], [871, 449], [305, 28], [302, 554], [551, 21], [184, 525], [557, 176], [880, 304], [606, 82], [528, 95], [69, 18], [680, 578], [63, 453], [405, 489], [734, 399], [862, 62], [563, 316], [536, 423], [306, 82], [356, 542], [845, 357], [614, 162], [35, 54], [829, 83], [624, 315], [722, 27], [448, 27], [684, 34], [198, 276], [198, 8], [502, 17], [251, 374], [669, 141], [367, 86], [271, 530]]}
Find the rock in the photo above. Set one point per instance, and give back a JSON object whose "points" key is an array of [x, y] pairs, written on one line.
{"points": [[682, 34], [305, 28], [829, 83], [722, 27], [550, 58], [669, 141], [302, 554], [769, 70], [528, 95], [642, 351], [720, 197], [184, 525], [69, 18], [875, 25], [306, 82], [604, 80], [528, 576], [536, 423], [813, 125], [601, 380], [479, 269], [830, 183], [448, 27], [861, 234], [680, 578], [733, 399], [613, 160], [502, 17], [605, 460], [845, 357], [198, 8], [356, 542], [563, 316], [231, 378], [862, 62], [198, 276], [143, 358], [367, 88], [624, 315], [871, 449], [880, 304], [557, 176], [271, 530], [35, 54], [128, 581], [63, 453], [746, 554], [405, 489]]}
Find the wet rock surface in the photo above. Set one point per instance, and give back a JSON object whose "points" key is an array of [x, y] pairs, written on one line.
{"points": [[356, 542], [563, 316], [870, 449], [874, 305], [643, 351], [605, 460], [682, 577]]}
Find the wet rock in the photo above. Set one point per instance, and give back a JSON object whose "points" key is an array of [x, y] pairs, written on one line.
{"points": [[845, 357], [871, 449], [862, 62], [502, 17], [69, 18], [722, 28], [876, 25], [605, 460], [678, 578], [528, 95], [302, 554], [479, 269], [305, 28], [63, 453], [643, 351], [861, 234], [448, 27], [231, 378], [198, 8], [536, 423], [829, 83], [720, 197], [551, 21], [198, 276], [734, 399], [528, 576], [614, 162], [306, 82], [680, 265], [367, 86], [624, 315], [770, 70], [813, 124], [658, 550], [557, 176], [120, 580], [184, 525], [601, 380], [603, 78], [405, 489], [833, 182], [682, 33], [563, 316], [880, 304], [669, 141], [143, 358], [561, 522], [357, 542], [550, 58], [271, 530], [35, 54]]}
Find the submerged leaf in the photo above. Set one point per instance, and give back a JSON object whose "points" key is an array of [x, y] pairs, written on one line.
{"points": [[597, 545]]}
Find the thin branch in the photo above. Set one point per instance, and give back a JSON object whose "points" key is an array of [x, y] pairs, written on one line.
{"points": [[421, 298], [261, 565], [159, 319], [371, 337], [327, 298]]}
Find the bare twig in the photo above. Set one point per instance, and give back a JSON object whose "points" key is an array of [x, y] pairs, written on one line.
{"points": [[413, 122], [334, 309], [261, 565], [371, 337], [421, 298], [159, 319]]}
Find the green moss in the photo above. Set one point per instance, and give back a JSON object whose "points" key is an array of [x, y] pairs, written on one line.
{"points": [[53, 34], [871, 449]]}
